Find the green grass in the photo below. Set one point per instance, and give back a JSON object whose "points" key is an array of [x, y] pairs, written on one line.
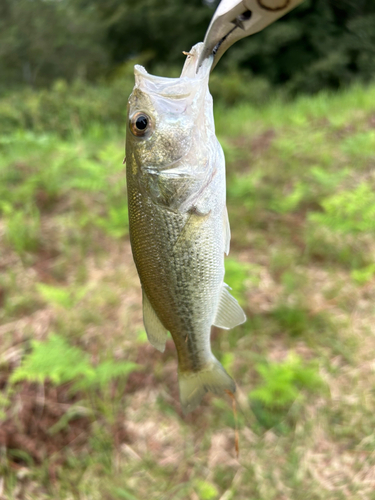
{"points": [[94, 408]]}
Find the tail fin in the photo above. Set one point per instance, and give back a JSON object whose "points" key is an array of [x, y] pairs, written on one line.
{"points": [[194, 385]]}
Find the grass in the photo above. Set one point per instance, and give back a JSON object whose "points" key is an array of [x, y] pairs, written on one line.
{"points": [[89, 410]]}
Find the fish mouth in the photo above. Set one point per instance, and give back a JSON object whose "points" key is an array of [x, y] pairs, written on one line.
{"points": [[159, 85], [176, 88]]}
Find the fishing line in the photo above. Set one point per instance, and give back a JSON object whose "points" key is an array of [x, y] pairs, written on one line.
{"points": [[235, 415]]}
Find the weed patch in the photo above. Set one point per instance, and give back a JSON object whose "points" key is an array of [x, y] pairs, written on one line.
{"points": [[55, 360], [282, 384]]}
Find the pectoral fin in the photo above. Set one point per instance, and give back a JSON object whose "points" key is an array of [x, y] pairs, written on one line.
{"points": [[229, 313], [156, 333]]}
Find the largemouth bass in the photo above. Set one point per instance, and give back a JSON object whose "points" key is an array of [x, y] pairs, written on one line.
{"points": [[179, 228]]}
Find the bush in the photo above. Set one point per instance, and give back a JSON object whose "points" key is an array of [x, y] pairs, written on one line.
{"points": [[66, 110]]}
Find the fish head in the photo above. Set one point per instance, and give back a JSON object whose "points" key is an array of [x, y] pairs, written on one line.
{"points": [[160, 125], [170, 129]]}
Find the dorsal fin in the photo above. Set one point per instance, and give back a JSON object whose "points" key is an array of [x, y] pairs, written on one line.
{"points": [[229, 313], [157, 334]]}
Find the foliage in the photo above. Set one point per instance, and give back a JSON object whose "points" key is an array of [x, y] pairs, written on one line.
{"points": [[351, 251], [73, 110], [42, 41], [282, 384], [57, 361], [22, 228], [206, 490], [307, 287], [61, 296], [318, 45], [67, 110], [362, 276], [93, 171], [153, 27], [237, 86], [238, 275], [116, 223], [349, 211], [297, 320]]}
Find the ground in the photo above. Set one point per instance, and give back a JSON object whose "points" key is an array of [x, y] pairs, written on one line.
{"points": [[90, 410]]}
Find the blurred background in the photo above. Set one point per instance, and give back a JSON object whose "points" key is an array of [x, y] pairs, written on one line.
{"points": [[88, 409]]}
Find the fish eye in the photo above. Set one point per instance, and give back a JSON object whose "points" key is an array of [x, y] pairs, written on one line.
{"points": [[139, 123]]}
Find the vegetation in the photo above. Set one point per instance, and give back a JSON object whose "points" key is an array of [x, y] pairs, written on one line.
{"points": [[88, 409], [321, 44]]}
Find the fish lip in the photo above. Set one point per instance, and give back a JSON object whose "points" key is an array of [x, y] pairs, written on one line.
{"points": [[140, 71], [172, 88], [183, 87]]}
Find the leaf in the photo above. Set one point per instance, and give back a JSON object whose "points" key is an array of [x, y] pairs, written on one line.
{"points": [[55, 295], [283, 382], [107, 371], [53, 360], [348, 211], [206, 490], [363, 275], [59, 362], [61, 296]]}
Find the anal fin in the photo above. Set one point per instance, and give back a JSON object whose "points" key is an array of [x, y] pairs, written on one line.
{"points": [[229, 313], [156, 332]]}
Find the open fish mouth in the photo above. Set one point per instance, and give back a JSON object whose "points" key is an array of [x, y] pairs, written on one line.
{"points": [[176, 88]]}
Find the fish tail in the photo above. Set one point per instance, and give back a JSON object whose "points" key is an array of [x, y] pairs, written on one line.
{"points": [[194, 385]]}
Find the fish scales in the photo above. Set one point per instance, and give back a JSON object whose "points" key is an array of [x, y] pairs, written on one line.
{"points": [[178, 222], [180, 276]]}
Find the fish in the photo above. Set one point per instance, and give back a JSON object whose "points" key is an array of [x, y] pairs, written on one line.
{"points": [[178, 222]]}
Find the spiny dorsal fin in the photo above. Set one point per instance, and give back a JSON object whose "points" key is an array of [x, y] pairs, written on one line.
{"points": [[229, 313], [156, 333]]}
